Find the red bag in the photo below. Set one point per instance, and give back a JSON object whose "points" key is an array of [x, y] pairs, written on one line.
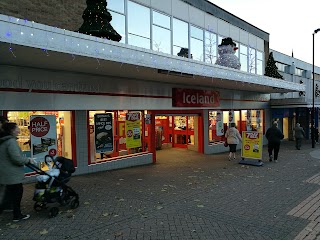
{"points": [[226, 143]]}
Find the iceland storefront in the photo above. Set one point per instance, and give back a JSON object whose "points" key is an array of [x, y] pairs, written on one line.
{"points": [[113, 104]]}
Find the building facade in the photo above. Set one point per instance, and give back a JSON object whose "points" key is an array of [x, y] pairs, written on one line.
{"points": [[114, 104], [295, 107]]}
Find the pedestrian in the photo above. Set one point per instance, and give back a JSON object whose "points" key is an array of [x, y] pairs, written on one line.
{"points": [[233, 136], [4, 202], [3, 120], [12, 168], [299, 134], [274, 136]]}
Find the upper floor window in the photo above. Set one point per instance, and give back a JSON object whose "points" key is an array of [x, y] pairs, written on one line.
{"points": [[196, 43], [252, 60], [259, 63], [298, 72], [161, 32], [210, 50], [244, 57], [118, 22], [138, 25], [316, 76], [180, 38], [116, 5], [281, 67]]}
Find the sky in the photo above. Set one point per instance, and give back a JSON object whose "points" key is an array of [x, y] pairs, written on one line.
{"points": [[290, 23]]}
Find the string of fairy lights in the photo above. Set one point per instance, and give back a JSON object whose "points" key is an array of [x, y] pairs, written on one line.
{"points": [[22, 32]]}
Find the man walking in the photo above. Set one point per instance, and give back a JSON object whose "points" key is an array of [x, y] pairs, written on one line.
{"points": [[299, 134], [274, 136]]}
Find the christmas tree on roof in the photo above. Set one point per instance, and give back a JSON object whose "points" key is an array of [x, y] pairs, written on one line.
{"points": [[96, 21], [271, 68]]}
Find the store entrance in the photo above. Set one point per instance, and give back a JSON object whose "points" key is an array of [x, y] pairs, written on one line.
{"points": [[175, 131]]}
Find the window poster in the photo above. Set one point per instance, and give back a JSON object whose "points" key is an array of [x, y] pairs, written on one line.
{"points": [[231, 117], [147, 119], [258, 119], [248, 121], [219, 123], [43, 136], [133, 130], [103, 132]]}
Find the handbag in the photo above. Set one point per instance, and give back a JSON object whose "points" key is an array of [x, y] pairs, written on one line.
{"points": [[226, 143]]}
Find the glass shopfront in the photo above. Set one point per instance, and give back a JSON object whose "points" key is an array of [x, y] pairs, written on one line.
{"points": [[115, 134], [245, 120], [44, 133]]}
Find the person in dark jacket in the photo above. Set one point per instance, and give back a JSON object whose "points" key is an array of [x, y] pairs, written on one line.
{"points": [[11, 168], [274, 136], [3, 120], [299, 134]]}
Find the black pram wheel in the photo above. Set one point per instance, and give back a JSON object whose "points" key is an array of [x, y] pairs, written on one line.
{"points": [[53, 212], [39, 206], [74, 203]]}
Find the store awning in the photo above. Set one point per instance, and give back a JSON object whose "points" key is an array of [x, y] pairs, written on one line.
{"points": [[29, 44]]}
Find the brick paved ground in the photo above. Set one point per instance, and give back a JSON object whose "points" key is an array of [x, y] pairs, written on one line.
{"points": [[187, 196]]}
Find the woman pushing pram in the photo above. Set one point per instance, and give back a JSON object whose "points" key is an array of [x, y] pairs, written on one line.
{"points": [[51, 185]]}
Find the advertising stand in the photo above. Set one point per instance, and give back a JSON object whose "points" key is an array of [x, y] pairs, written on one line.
{"points": [[251, 148]]}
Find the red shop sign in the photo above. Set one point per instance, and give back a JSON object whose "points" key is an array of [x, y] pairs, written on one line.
{"points": [[39, 126], [182, 97]]}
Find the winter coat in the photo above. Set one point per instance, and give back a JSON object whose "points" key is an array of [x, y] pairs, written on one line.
{"points": [[299, 132], [274, 135], [11, 161], [233, 136]]}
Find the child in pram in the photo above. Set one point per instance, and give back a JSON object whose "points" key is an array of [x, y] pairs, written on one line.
{"points": [[51, 185]]}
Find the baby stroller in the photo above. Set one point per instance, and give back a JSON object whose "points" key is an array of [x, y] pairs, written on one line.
{"points": [[51, 185]]}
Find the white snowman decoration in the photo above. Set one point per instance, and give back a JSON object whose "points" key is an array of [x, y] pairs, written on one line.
{"points": [[226, 51]]}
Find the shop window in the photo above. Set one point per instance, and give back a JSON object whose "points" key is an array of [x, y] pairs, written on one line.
{"points": [[161, 33], [252, 60], [259, 63], [180, 38], [115, 134], [252, 120], [196, 43], [219, 122], [138, 25], [210, 47], [53, 140], [244, 58]]}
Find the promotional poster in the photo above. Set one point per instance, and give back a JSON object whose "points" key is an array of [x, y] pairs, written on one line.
{"points": [[219, 123], [133, 130], [103, 132], [252, 145], [43, 134]]}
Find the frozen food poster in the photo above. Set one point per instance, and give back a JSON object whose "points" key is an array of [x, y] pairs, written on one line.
{"points": [[133, 130], [43, 134], [219, 123], [103, 132]]}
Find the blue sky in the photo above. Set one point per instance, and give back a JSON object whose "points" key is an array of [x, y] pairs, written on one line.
{"points": [[290, 23]]}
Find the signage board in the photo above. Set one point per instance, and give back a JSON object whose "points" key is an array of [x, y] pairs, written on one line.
{"points": [[252, 144], [182, 97]]}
